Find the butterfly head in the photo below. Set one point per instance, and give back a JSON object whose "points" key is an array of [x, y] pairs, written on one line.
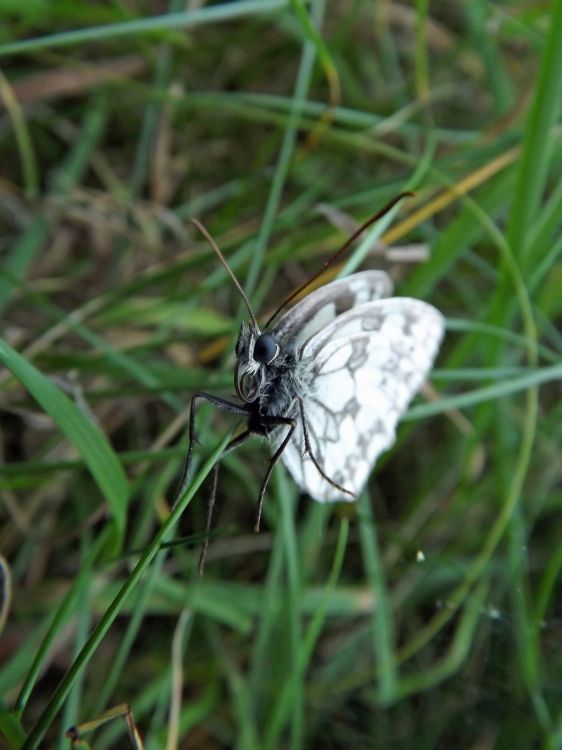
{"points": [[255, 351]]}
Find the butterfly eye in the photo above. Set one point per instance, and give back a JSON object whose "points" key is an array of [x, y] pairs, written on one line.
{"points": [[265, 349]]}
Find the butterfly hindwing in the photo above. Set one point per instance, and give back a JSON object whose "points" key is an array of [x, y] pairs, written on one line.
{"points": [[366, 366]]}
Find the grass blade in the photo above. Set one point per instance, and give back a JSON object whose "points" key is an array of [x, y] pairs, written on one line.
{"points": [[81, 432]]}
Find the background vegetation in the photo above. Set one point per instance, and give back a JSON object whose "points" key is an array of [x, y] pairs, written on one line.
{"points": [[426, 616]]}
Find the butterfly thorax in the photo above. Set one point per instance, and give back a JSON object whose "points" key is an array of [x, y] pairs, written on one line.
{"points": [[268, 377]]}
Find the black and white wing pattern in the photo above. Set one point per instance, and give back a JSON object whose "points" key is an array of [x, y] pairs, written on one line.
{"points": [[363, 356], [321, 307]]}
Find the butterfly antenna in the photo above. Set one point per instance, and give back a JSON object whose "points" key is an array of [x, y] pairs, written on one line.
{"points": [[340, 252], [197, 224]]}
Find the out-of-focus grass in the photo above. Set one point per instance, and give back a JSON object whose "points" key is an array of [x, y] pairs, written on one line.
{"points": [[426, 615]]}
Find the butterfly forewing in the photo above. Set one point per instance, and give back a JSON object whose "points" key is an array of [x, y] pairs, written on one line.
{"points": [[365, 368], [328, 383], [321, 307]]}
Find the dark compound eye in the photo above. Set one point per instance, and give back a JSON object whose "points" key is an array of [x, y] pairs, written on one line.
{"points": [[265, 349]]}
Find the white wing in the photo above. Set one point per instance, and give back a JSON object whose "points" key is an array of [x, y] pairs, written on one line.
{"points": [[319, 308], [366, 366]]}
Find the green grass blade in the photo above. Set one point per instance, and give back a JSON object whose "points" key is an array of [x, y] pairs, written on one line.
{"points": [[302, 85], [80, 431], [11, 728], [23, 138], [33, 238], [533, 166], [59, 695], [173, 21], [489, 393], [119, 662], [458, 651], [382, 618], [288, 693], [65, 609], [20, 258]]}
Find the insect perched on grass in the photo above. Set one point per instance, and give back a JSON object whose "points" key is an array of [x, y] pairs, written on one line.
{"points": [[328, 382]]}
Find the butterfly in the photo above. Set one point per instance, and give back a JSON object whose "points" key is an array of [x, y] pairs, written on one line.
{"points": [[327, 384]]}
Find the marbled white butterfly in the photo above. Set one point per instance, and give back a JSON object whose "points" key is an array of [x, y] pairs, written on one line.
{"points": [[328, 383]]}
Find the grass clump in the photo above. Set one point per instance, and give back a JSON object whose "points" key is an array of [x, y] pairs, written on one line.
{"points": [[426, 615]]}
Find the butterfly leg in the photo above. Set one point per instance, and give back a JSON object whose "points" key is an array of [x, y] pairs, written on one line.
{"points": [[234, 443], [308, 450], [220, 403], [210, 508], [273, 422]]}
